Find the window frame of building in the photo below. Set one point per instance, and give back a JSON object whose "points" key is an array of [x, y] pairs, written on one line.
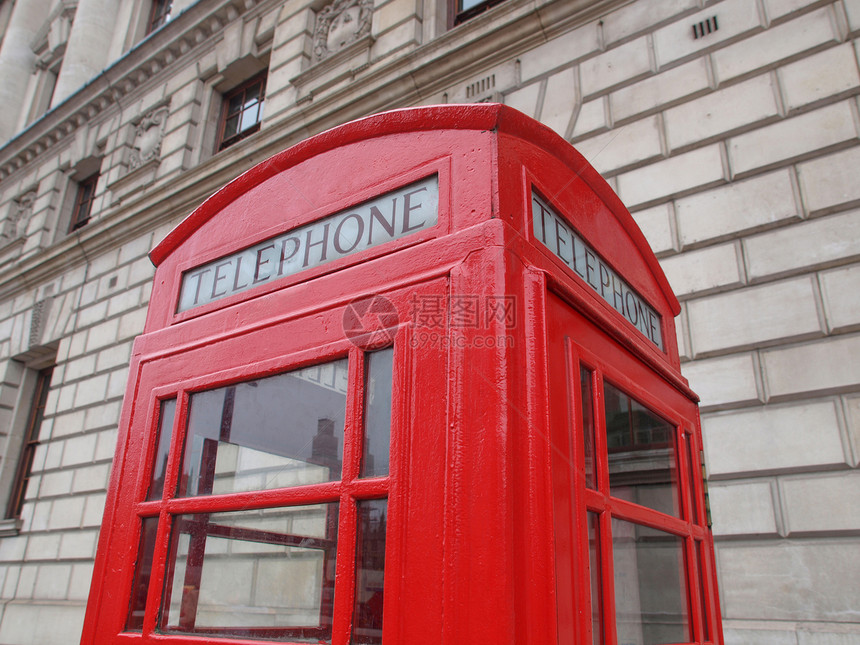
{"points": [[457, 15], [223, 140], [29, 443], [159, 15], [83, 206]]}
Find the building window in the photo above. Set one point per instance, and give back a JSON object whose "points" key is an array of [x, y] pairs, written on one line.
{"points": [[159, 15], [28, 446], [84, 202], [241, 111], [462, 10]]}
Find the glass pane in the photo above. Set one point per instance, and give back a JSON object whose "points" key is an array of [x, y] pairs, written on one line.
{"points": [[250, 117], [650, 588], [694, 472], [703, 591], [252, 94], [234, 104], [594, 569], [257, 574], [468, 4], [641, 453], [86, 192], [377, 415], [587, 397], [162, 448], [284, 430], [142, 574], [231, 127], [370, 566]]}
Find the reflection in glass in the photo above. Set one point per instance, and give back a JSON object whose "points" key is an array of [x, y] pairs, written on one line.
{"points": [[587, 396], [370, 567], [377, 416], [250, 117], [235, 103], [694, 472], [162, 448], [258, 574], [231, 127], [284, 430], [700, 560], [142, 574], [650, 588], [468, 4], [594, 569], [641, 449]]}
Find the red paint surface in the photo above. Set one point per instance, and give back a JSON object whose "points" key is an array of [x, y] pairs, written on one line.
{"points": [[478, 501]]}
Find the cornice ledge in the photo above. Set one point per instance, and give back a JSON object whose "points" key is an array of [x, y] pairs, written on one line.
{"points": [[435, 66], [121, 223], [173, 41]]}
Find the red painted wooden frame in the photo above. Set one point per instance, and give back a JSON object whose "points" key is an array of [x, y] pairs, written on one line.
{"points": [[475, 490]]}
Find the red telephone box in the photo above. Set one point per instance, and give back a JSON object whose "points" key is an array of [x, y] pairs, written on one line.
{"points": [[414, 380]]}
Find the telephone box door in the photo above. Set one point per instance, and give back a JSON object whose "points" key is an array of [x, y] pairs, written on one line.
{"points": [[629, 520]]}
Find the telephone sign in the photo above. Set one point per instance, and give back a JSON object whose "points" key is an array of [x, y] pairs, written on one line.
{"points": [[380, 220], [558, 236]]}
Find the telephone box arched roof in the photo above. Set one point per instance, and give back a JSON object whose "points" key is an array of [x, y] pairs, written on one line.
{"points": [[485, 155]]}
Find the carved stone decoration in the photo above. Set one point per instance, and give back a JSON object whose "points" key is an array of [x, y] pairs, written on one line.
{"points": [[147, 137], [340, 23], [15, 224], [38, 318]]}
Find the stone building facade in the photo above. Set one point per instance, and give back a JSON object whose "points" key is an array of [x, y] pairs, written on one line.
{"points": [[729, 129]]}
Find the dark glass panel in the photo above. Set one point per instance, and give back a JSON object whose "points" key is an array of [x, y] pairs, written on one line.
{"points": [[234, 104], [370, 568], [162, 448], [650, 588], [642, 455], [694, 473], [595, 573], [30, 442], [587, 396], [377, 415], [253, 574], [231, 127], [275, 432], [252, 94], [142, 574], [700, 557]]}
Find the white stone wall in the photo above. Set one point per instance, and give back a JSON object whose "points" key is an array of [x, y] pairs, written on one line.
{"points": [[736, 152]]}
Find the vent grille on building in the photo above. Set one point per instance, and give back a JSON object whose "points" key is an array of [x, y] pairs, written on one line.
{"points": [[705, 27], [480, 87]]}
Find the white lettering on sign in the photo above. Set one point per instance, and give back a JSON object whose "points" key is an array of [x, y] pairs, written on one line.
{"points": [[382, 219], [567, 245]]}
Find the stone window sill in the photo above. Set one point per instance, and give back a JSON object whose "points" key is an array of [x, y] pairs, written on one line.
{"points": [[10, 527]]}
